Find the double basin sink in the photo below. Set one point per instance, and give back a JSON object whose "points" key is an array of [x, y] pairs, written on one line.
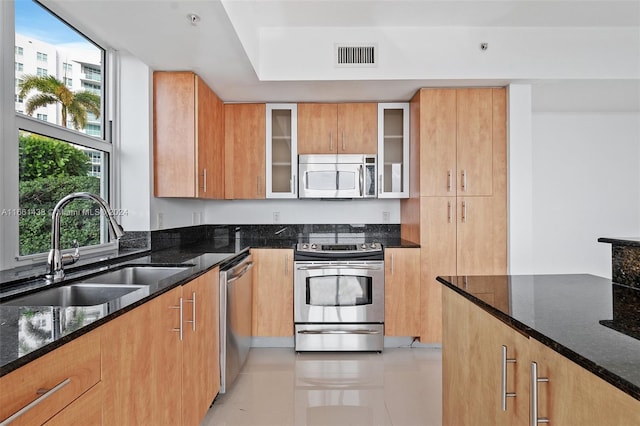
{"points": [[99, 289]]}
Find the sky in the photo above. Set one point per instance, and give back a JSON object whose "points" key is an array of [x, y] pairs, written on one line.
{"points": [[33, 20]]}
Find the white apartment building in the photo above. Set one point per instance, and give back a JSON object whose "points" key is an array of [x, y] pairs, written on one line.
{"points": [[79, 69]]}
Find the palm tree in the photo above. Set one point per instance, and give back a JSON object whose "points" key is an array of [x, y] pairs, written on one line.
{"points": [[52, 90]]}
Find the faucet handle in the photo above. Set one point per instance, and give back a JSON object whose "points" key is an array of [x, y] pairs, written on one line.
{"points": [[69, 258]]}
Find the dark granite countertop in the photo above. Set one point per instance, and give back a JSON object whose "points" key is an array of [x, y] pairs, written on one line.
{"points": [[28, 332], [631, 242], [566, 313]]}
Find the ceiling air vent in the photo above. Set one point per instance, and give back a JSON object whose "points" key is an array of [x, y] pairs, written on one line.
{"points": [[363, 55]]}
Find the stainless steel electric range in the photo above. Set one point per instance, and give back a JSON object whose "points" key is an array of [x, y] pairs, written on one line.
{"points": [[339, 297]]}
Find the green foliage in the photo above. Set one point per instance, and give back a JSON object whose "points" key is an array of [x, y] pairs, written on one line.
{"points": [[41, 156], [53, 91], [80, 220]]}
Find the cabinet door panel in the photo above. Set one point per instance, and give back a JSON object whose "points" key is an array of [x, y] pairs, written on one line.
{"points": [[200, 346], [438, 257], [438, 142], [317, 127], [210, 142], [357, 128], [475, 141], [574, 396], [245, 151], [402, 292], [174, 134], [272, 292], [479, 232], [142, 364]]}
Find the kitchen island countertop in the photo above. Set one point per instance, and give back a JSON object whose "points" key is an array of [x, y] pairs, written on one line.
{"points": [[567, 313]]}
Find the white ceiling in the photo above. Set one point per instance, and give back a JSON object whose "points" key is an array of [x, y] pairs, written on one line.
{"points": [[226, 44]]}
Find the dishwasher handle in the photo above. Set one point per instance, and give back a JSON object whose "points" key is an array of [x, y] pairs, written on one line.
{"points": [[244, 267]]}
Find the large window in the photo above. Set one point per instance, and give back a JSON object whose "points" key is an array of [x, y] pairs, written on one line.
{"points": [[61, 141]]}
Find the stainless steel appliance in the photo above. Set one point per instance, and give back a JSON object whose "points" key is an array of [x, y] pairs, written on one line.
{"points": [[337, 176], [235, 318], [339, 297]]}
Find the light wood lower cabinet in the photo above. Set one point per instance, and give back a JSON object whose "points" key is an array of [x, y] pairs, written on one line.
{"points": [[200, 346], [272, 292], [142, 364], [402, 292], [85, 411], [477, 348], [158, 370], [63, 374]]}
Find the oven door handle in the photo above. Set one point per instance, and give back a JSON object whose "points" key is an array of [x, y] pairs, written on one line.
{"points": [[318, 267], [338, 332]]}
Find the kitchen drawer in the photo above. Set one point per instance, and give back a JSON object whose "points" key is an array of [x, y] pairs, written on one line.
{"points": [[72, 369], [86, 410]]}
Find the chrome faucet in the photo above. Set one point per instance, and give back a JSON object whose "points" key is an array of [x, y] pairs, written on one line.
{"points": [[57, 260]]}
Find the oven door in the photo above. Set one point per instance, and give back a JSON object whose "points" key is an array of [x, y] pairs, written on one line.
{"points": [[339, 292]]}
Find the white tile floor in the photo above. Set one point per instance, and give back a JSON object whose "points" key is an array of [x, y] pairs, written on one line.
{"points": [[401, 387]]}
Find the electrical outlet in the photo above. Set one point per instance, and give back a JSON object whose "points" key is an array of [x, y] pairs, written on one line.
{"points": [[160, 220], [276, 217], [386, 217]]}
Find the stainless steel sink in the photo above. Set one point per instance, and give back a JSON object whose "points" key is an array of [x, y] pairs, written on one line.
{"points": [[81, 294], [141, 275]]}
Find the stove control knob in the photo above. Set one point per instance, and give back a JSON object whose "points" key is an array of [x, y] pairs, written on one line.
{"points": [[305, 246], [314, 246], [373, 245], [364, 246]]}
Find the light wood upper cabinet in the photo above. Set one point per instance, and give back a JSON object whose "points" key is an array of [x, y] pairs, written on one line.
{"points": [[393, 150], [349, 128], [188, 137], [272, 292], [402, 292], [282, 151], [458, 126], [437, 125], [475, 141], [67, 372], [245, 131]]}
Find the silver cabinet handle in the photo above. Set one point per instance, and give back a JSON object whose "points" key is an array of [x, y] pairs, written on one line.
{"points": [[534, 395], [330, 141], [503, 392], [464, 180], [361, 180], [449, 180], [464, 212], [179, 329], [241, 273], [343, 145], [193, 309], [204, 179], [44, 394], [449, 212]]}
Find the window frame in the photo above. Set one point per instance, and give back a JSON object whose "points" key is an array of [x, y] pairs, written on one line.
{"points": [[14, 121]]}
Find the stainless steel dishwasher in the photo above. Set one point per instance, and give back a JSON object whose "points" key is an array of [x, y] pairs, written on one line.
{"points": [[235, 318]]}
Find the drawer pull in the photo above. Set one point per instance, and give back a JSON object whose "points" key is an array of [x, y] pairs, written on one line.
{"points": [[534, 395], [503, 380], [44, 394]]}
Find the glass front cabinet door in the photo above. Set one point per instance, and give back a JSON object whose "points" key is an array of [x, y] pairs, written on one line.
{"points": [[282, 150], [393, 150]]}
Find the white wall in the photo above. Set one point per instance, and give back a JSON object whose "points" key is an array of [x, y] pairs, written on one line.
{"points": [[135, 143], [586, 184]]}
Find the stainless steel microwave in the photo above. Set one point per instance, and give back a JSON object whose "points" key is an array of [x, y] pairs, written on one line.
{"points": [[337, 176]]}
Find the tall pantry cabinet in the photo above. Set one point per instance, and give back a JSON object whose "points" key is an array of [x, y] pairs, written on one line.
{"points": [[457, 204]]}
